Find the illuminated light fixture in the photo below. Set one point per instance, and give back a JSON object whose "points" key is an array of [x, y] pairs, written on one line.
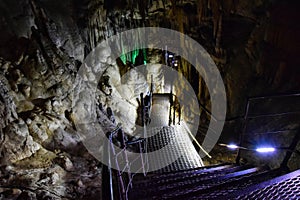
{"points": [[170, 56], [175, 64], [265, 149], [232, 146]]}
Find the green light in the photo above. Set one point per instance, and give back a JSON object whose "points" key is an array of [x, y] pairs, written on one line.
{"points": [[123, 58], [134, 54], [145, 56], [131, 56]]}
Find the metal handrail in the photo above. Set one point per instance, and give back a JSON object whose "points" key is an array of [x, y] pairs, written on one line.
{"points": [[249, 99], [110, 149], [196, 141], [171, 119], [112, 153], [135, 141], [246, 117], [120, 182]]}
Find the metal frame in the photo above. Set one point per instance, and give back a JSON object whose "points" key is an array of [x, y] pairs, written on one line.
{"points": [[295, 140]]}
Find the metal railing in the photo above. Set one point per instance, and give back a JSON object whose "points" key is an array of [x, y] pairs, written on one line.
{"points": [[123, 177], [117, 182], [265, 115], [174, 106]]}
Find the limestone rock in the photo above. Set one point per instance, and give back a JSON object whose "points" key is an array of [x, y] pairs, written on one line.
{"points": [[18, 143]]}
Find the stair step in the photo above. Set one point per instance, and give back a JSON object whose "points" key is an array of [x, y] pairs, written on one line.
{"points": [[158, 176], [283, 187], [221, 191], [194, 176], [219, 182], [168, 188], [182, 192]]}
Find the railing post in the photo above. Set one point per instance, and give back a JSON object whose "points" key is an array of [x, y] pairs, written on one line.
{"points": [[151, 86], [121, 137], [292, 147], [143, 107], [107, 183], [241, 138], [120, 182], [142, 159], [295, 140], [179, 114], [174, 113], [170, 112]]}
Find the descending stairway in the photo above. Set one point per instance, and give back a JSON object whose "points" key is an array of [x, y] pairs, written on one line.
{"points": [[187, 179], [218, 182]]}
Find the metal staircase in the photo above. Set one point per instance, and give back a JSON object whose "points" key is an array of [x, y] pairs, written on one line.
{"points": [[187, 178], [219, 182]]}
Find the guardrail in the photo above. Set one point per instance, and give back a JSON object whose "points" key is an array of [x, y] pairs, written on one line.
{"points": [[117, 182], [122, 179], [294, 100]]}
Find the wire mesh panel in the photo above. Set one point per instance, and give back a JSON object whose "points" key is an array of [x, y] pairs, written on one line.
{"points": [[179, 145], [235, 184], [283, 187]]}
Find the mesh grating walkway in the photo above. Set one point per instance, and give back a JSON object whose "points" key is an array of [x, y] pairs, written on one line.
{"points": [[178, 145], [283, 187], [174, 139]]}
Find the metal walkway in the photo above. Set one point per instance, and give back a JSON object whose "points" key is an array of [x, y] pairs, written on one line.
{"points": [[187, 178], [223, 181], [174, 138], [178, 145], [160, 111]]}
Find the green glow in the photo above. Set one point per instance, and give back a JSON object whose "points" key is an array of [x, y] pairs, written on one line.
{"points": [[123, 58], [134, 54], [145, 56], [131, 56]]}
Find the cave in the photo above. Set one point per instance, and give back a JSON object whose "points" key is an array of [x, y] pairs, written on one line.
{"points": [[149, 99]]}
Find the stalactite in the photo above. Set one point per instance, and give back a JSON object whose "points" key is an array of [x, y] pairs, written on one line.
{"points": [[143, 5], [219, 36], [202, 10]]}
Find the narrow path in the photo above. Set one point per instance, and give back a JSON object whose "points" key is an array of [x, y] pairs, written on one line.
{"points": [[175, 138], [160, 110]]}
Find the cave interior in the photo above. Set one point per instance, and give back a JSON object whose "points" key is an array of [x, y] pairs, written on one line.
{"points": [[149, 99]]}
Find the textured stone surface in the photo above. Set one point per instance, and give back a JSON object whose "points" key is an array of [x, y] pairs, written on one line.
{"points": [[18, 144]]}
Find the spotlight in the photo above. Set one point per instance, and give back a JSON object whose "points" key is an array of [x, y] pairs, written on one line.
{"points": [[265, 149], [232, 146]]}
